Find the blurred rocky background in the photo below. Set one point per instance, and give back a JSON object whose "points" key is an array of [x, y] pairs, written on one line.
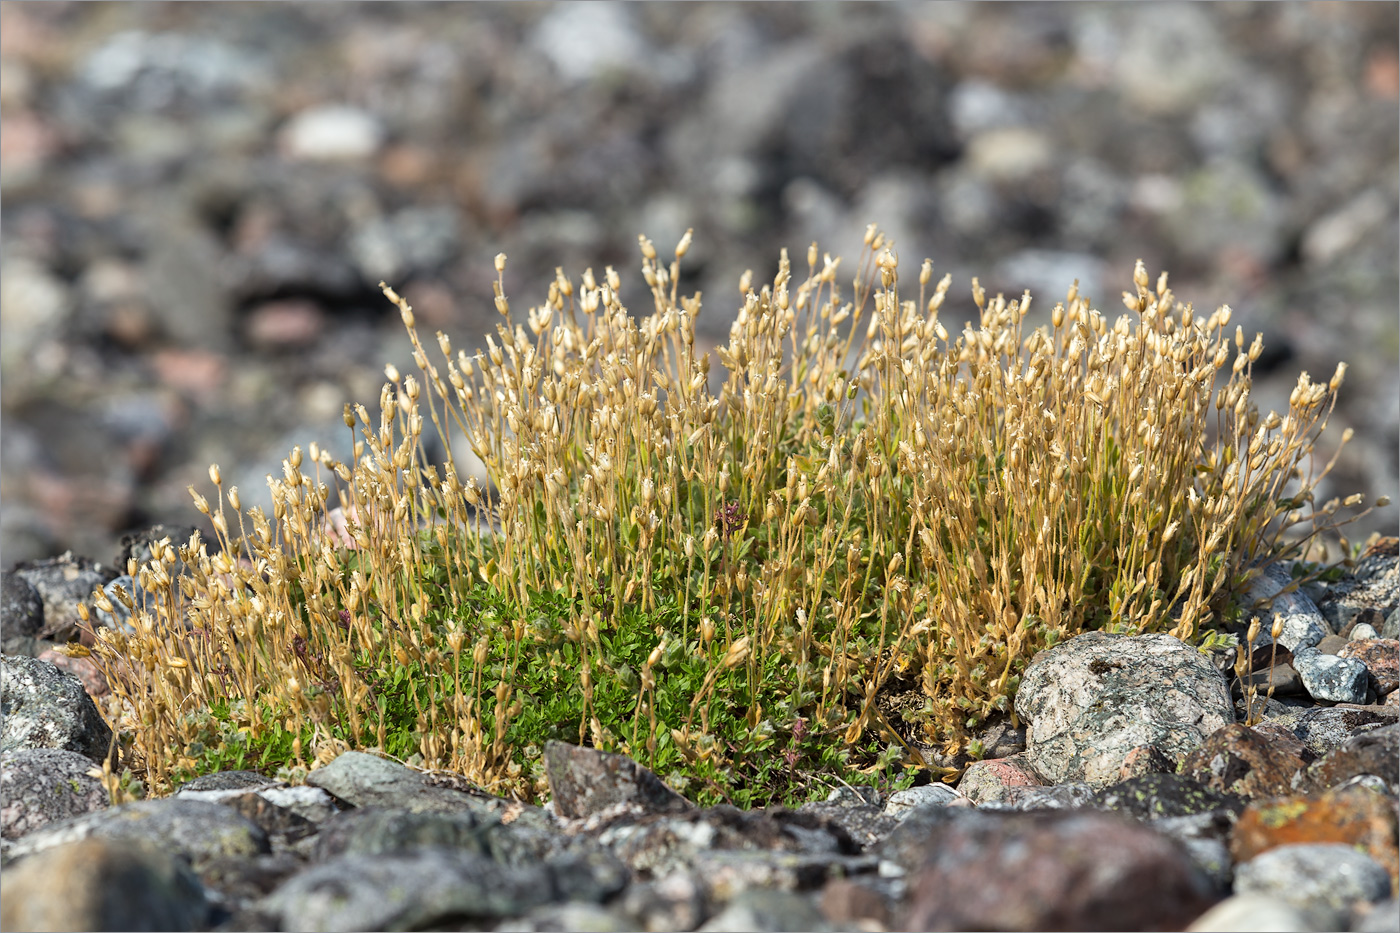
{"points": [[198, 199]]}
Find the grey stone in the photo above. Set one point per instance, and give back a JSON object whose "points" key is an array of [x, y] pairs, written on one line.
{"points": [[332, 133], [376, 831], [1303, 623], [674, 901], [1325, 877], [46, 708], [901, 802], [1206, 839], [1071, 795], [1091, 700], [1328, 677], [581, 917], [21, 614], [199, 830], [39, 786], [1325, 728], [63, 583], [404, 891], [1254, 913], [1383, 917], [767, 912], [364, 780]]}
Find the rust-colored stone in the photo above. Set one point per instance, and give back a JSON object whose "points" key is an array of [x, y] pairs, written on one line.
{"points": [[1235, 759], [1382, 659], [1352, 815]]}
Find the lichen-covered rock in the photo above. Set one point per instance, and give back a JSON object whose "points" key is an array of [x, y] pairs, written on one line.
{"points": [[46, 708], [1095, 698], [1329, 677], [1238, 760], [39, 786]]}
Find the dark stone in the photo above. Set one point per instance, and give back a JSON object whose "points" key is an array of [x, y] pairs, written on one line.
{"points": [[21, 615], [585, 782], [1054, 871], [1153, 796]]}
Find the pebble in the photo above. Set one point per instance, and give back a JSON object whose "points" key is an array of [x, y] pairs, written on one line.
{"points": [[332, 133], [1327, 879]]}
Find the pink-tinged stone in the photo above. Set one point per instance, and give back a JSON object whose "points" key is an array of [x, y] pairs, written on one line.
{"points": [[284, 325], [197, 371], [988, 781], [1144, 760], [1053, 870], [85, 669], [1382, 659]]}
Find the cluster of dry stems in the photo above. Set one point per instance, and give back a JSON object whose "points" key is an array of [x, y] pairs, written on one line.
{"points": [[872, 497]]}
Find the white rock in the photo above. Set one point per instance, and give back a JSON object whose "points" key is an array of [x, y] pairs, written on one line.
{"points": [[332, 133]]}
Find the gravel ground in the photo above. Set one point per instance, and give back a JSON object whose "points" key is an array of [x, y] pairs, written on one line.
{"points": [[198, 199]]}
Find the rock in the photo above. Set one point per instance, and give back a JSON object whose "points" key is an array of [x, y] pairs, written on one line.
{"points": [[1382, 917], [331, 133], [404, 891], [929, 795], [1155, 796], [1093, 699], [289, 324], [1073, 795], [22, 609], [847, 903], [1144, 760], [1328, 677], [766, 912], [1303, 623], [63, 583], [363, 780], [1352, 816], [1327, 879], [104, 884], [585, 783], [1238, 760], [675, 901], [992, 780], [198, 830], [1253, 913], [1381, 657], [40, 786], [1375, 752], [587, 41], [1029, 871], [45, 708]]}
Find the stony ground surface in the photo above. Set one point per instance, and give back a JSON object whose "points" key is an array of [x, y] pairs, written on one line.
{"points": [[199, 199], [1140, 788]]}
